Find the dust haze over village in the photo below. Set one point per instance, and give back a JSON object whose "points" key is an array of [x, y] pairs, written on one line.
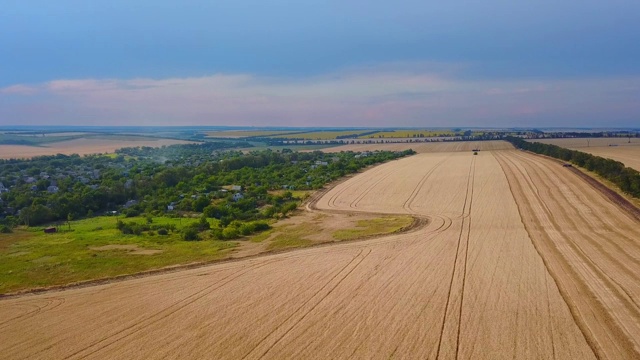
{"points": [[320, 180]]}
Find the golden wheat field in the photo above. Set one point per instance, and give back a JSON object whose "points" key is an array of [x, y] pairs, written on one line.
{"points": [[625, 150], [83, 146], [521, 259]]}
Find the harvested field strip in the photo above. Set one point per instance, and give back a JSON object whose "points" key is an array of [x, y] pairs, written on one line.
{"points": [[589, 245], [426, 147]]}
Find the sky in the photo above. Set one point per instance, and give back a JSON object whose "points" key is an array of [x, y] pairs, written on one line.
{"points": [[491, 63]]}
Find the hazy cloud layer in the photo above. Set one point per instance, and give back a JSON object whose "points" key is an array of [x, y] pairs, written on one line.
{"points": [[391, 95]]}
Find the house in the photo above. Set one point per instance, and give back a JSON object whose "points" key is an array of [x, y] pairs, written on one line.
{"points": [[30, 180], [131, 203], [128, 184], [53, 189], [237, 196], [170, 207], [3, 189], [236, 187], [50, 230], [322, 163], [34, 188]]}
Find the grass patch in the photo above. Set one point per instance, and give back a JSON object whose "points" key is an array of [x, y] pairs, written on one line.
{"points": [[293, 236], [297, 194], [262, 236], [379, 226], [30, 258]]}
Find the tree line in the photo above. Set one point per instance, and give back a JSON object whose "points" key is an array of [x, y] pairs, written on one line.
{"points": [[626, 178]]}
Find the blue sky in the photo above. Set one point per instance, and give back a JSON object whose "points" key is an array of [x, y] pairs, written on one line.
{"points": [[314, 63]]}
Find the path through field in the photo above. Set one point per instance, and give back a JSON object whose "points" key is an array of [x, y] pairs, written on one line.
{"points": [[470, 285]]}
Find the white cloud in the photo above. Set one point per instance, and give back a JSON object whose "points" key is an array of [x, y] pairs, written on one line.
{"points": [[19, 89], [395, 95]]}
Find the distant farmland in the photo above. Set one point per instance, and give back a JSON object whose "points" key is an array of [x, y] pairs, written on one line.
{"points": [[236, 134], [426, 147], [83, 146], [625, 150]]}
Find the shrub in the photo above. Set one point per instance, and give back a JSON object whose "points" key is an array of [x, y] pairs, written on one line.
{"points": [[190, 234], [163, 231], [230, 233], [131, 213], [247, 228], [203, 224], [261, 226], [216, 233], [132, 228], [288, 207], [4, 229]]}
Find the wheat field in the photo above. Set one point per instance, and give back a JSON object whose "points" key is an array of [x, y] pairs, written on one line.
{"points": [[520, 259], [625, 150]]}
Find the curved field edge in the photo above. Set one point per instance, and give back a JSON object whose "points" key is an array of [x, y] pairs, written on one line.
{"points": [[228, 255]]}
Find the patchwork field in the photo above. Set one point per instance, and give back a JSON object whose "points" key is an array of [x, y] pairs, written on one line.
{"points": [[82, 146], [625, 150], [521, 259], [427, 147]]}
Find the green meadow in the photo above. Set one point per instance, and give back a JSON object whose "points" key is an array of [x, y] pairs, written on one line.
{"points": [[93, 249]]}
